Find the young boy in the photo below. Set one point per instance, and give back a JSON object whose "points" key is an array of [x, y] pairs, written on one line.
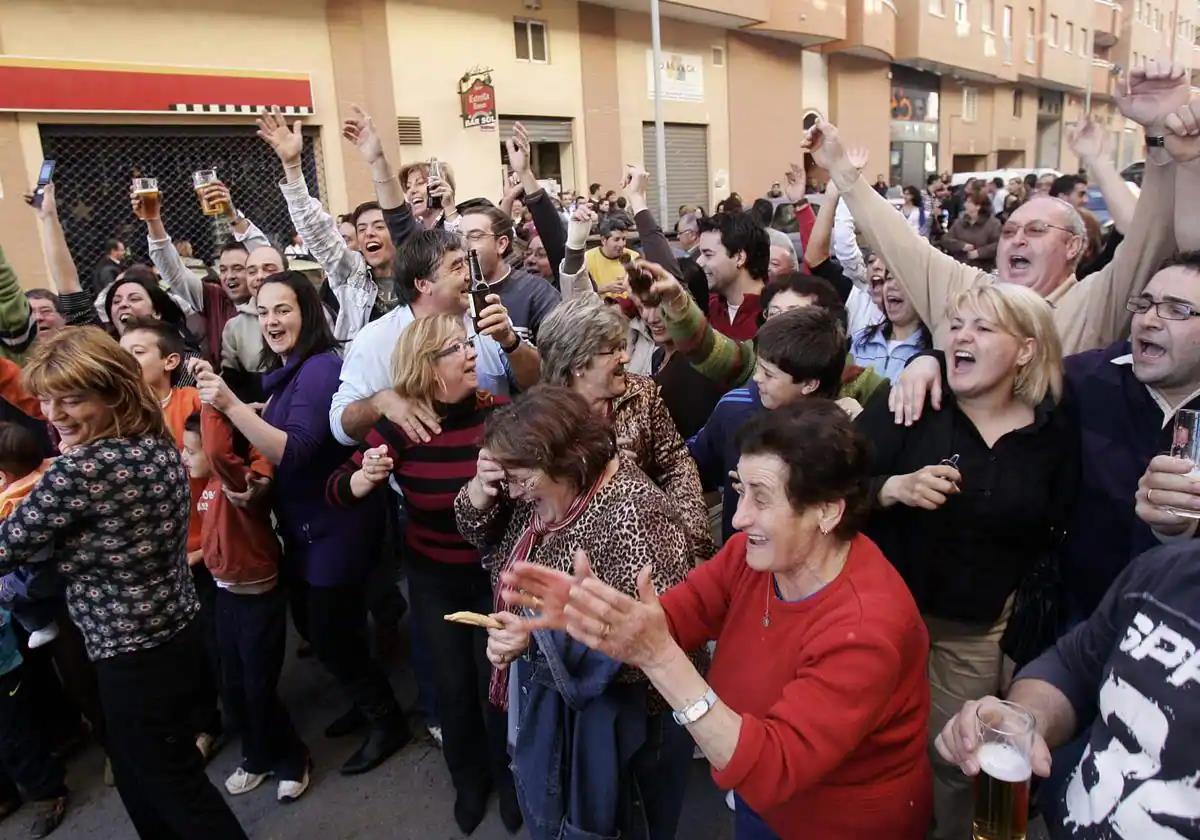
{"points": [[32, 593], [242, 552], [24, 749], [159, 351]]}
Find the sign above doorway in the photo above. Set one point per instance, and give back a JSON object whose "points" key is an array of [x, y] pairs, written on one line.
{"points": [[478, 98]]}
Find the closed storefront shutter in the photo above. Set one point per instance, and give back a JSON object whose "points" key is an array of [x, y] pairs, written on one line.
{"points": [[541, 129], [687, 168]]}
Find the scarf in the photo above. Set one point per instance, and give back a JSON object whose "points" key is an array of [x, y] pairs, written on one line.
{"points": [[522, 551]]}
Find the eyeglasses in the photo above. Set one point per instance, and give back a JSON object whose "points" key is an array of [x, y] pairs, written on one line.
{"points": [[622, 347], [456, 347], [1033, 230], [477, 236], [526, 486], [1168, 310]]}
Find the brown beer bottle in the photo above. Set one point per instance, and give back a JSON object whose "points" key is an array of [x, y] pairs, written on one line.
{"points": [[478, 289]]}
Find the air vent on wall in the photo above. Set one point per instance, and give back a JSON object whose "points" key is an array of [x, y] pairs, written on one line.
{"points": [[409, 130], [718, 56]]}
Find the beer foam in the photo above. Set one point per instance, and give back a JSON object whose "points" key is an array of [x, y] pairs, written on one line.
{"points": [[1003, 762]]}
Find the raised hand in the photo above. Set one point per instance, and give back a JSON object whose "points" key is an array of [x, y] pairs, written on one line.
{"points": [[824, 143], [634, 186], [139, 210], [288, 143], [359, 129], [1086, 139], [49, 208], [215, 193], [1183, 132], [796, 184], [518, 149], [858, 156], [1148, 94], [377, 464]]}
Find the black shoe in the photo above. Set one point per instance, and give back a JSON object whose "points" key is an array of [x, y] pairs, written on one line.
{"points": [[50, 813], [386, 735], [470, 806], [351, 721], [510, 809]]}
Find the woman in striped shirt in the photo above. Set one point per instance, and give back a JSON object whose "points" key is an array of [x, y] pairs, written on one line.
{"points": [[434, 361]]}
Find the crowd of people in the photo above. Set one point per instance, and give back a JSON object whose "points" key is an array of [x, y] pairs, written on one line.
{"points": [[801, 490]]}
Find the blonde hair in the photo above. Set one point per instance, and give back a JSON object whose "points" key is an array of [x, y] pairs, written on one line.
{"points": [[413, 360], [85, 360], [1024, 314]]}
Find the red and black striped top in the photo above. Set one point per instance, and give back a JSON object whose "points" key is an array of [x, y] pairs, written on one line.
{"points": [[430, 474]]}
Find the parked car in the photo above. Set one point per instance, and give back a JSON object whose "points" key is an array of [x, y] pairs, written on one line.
{"points": [[1134, 171]]}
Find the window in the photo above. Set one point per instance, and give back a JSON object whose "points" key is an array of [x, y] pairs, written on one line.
{"points": [[1052, 35], [970, 104], [1031, 37], [989, 15], [718, 56], [1006, 24], [1018, 103], [1069, 43], [937, 7], [1138, 14], [960, 11], [529, 37]]}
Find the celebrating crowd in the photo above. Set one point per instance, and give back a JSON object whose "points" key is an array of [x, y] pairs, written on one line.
{"points": [[804, 491]]}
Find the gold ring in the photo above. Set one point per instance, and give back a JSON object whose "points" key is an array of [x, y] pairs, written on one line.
{"points": [[1150, 496], [607, 628]]}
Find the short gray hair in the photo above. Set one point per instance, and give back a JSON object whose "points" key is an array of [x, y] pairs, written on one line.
{"points": [[688, 220], [574, 333]]}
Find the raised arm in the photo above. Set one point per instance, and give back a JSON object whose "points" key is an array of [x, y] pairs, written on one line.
{"points": [[928, 276], [545, 218], [817, 247], [717, 356], [655, 246], [75, 302], [179, 278], [1090, 144], [1183, 144]]}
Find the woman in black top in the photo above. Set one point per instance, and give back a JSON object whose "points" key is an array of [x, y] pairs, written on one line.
{"points": [[969, 498], [114, 506]]}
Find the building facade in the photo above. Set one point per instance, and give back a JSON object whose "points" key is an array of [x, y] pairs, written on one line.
{"points": [[161, 88]]}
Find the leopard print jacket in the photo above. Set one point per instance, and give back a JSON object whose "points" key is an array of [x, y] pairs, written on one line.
{"points": [[643, 426]]}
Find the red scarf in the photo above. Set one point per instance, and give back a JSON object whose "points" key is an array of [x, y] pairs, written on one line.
{"points": [[522, 551]]}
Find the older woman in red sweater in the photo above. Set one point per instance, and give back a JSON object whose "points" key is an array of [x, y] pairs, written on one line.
{"points": [[815, 708]]}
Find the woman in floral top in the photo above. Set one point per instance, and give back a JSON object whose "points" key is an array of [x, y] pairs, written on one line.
{"points": [[115, 508]]}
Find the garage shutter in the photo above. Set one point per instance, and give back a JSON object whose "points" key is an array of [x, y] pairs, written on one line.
{"points": [[541, 129], [687, 167]]}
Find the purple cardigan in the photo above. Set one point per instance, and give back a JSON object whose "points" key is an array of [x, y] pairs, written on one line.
{"points": [[328, 546]]}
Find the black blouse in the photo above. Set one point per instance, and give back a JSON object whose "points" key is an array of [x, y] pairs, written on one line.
{"points": [[963, 560]]}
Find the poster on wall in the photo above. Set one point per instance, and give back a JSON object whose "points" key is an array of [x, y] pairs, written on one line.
{"points": [[681, 74]]}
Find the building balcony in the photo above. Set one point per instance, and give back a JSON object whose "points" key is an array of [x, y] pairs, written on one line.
{"points": [[870, 30], [1104, 80], [1106, 23], [808, 23]]}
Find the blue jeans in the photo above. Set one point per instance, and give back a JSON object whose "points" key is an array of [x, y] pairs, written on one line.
{"points": [[661, 769], [748, 825]]}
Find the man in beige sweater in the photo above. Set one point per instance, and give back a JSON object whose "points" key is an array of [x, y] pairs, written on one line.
{"points": [[1043, 240]]}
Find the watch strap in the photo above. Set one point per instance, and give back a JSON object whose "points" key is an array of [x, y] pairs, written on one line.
{"points": [[1156, 141], [694, 711]]}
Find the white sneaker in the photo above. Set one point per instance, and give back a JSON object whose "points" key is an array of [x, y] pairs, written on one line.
{"points": [[44, 636], [435, 732], [242, 782], [729, 803], [290, 791]]}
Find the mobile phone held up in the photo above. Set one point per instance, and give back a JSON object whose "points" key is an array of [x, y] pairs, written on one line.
{"points": [[45, 176]]}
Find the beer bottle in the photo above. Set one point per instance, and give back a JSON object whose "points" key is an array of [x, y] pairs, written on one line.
{"points": [[478, 289], [435, 171]]}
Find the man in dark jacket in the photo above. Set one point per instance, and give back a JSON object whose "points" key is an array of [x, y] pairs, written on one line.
{"points": [[110, 265]]}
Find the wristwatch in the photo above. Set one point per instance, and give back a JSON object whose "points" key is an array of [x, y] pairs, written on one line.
{"points": [[694, 711], [513, 347], [1156, 140]]}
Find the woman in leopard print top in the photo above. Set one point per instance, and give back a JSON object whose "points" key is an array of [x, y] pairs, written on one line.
{"points": [[583, 347], [549, 485], [115, 508]]}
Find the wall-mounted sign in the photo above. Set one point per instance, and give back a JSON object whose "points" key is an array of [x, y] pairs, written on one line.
{"points": [[478, 97], [681, 76], [51, 84]]}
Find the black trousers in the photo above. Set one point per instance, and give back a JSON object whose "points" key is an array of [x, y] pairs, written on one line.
{"points": [[205, 716], [24, 749], [158, 770], [337, 630], [251, 634], [461, 671]]}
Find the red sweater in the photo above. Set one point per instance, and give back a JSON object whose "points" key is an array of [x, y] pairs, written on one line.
{"points": [[745, 323], [833, 694], [240, 546]]}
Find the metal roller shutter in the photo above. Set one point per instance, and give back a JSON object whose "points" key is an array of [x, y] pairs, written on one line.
{"points": [[541, 129], [687, 167]]}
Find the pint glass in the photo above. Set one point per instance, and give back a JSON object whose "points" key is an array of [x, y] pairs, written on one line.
{"points": [[146, 189], [202, 179], [1185, 443], [1002, 786]]}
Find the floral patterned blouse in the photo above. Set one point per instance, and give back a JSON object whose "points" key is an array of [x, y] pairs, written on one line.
{"points": [[116, 511]]}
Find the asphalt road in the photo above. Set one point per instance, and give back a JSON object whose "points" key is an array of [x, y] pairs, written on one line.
{"points": [[407, 797]]}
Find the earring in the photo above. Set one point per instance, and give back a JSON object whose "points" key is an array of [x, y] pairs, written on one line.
{"points": [[824, 529]]}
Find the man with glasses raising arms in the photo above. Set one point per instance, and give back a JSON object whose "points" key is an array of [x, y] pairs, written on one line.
{"points": [[1044, 238]]}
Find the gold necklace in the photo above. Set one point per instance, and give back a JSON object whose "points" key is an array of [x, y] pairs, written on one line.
{"points": [[766, 619]]}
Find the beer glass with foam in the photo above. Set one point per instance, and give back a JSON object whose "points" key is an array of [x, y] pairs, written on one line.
{"points": [[146, 190], [1006, 733], [217, 207]]}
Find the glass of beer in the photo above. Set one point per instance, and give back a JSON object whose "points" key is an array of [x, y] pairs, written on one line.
{"points": [[1002, 786], [146, 190], [1185, 443], [217, 207]]}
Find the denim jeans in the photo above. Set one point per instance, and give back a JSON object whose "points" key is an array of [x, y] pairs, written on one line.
{"points": [[748, 825], [661, 769]]}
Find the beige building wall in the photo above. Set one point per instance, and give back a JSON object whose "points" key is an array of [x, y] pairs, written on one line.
{"points": [[601, 98], [764, 118], [434, 42], [637, 107], [288, 35], [860, 92], [1013, 135]]}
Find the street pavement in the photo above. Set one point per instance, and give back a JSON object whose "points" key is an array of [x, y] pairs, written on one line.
{"points": [[407, 797]]}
